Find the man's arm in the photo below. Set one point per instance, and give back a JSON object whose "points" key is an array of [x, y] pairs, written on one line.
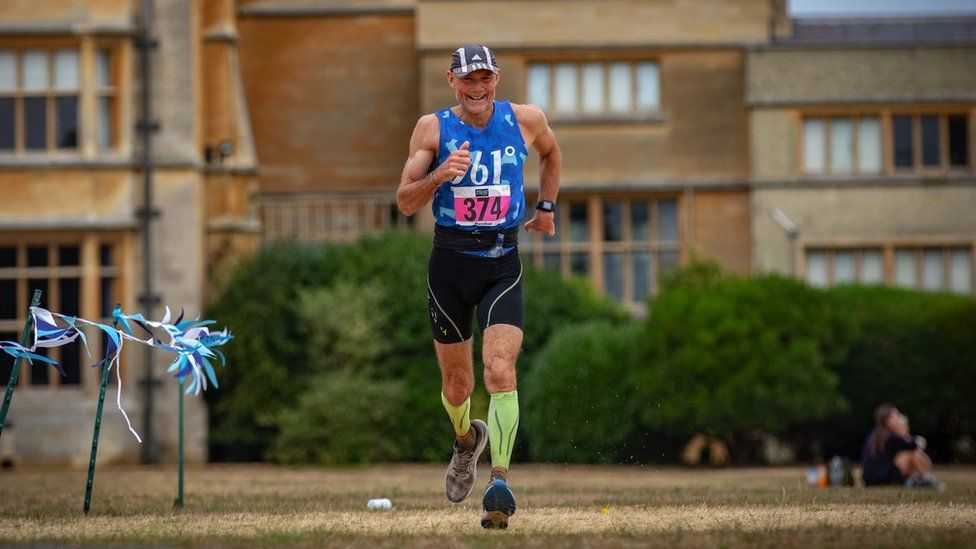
{"points": [[541, 136], [417, 185]]}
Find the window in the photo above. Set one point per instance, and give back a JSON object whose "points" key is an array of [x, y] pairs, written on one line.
{"points": [[55, 268], [841, 145], [869, 146], [931, 147], [634, 241], [930, 268], [538, 82], [853, 144], [958, 141], [937, 269], [621, 91], [40, 98], [930, 141], [832, 267], [106, 94], [902, 138], [594, 88], [906, 272], [814, 155], [594, 95]]}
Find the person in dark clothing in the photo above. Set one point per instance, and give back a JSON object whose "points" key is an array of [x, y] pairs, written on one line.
{"points": [[892, 456]]}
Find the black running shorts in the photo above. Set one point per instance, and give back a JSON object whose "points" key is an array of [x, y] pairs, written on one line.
{"points": [[460, 284]]}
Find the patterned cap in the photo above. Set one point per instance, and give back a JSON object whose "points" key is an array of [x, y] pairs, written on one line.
{"points": [[472, 57]]}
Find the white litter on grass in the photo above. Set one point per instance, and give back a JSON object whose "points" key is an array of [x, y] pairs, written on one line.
{"points": [[383, 503]]}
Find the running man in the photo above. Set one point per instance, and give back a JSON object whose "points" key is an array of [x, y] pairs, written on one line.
{"points": [[469, 159]]}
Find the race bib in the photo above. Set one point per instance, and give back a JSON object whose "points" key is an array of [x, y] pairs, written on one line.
{"points": [[484, 206]]}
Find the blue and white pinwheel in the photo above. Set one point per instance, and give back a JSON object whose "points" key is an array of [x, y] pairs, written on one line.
{"points": [[191, 341]]}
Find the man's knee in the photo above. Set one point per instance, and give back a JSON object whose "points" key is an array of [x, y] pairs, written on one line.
{"points": [[499, 373], [457, 390]]}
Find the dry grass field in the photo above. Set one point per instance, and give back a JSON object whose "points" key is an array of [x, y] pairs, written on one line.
{"points": [[575, 506]]}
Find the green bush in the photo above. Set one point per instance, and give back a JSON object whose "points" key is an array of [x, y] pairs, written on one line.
{"points": [[912, 349], [267, 359], [734, 357], [397, 263], [344, 325], [341, 417], [579, 400], [333, 362]]}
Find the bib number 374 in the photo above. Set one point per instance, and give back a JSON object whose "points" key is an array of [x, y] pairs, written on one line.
{"points": [[481, 206]]}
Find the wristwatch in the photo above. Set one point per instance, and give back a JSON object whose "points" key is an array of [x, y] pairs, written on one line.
{"points": [[546, 206]]}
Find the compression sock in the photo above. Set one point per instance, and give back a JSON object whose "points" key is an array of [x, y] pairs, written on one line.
{"points": [[503, 418], [460, 416]]}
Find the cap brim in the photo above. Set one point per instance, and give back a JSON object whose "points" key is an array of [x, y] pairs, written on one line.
{"points": [[475, 67]]}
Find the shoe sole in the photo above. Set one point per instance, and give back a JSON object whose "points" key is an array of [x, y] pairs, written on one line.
{"points": [[494, 520], [478, 450], [502, 506]]}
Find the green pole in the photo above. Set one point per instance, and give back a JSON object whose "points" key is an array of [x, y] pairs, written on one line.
{"points": [[179, 457], [98, 422], [15, 373]]}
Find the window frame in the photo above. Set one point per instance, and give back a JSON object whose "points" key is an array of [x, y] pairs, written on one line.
{"points": [[885, 116], [112, 91], [889, 249], [830, 253], [607, 115], [87, 95], [88, 276], [855, 118], [534, 247]]}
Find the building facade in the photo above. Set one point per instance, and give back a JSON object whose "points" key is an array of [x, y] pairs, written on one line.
{"points": [[71, 174], [867, 147]]}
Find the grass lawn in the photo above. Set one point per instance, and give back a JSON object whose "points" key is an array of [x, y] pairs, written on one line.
{"points": [[244, 505]]}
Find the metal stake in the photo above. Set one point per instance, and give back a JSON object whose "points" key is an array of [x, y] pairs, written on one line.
{"points": [[98, 421], [15, 372]]}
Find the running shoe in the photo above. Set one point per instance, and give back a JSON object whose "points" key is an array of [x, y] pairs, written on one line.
{"points": [[497, 505], [463, 469]]}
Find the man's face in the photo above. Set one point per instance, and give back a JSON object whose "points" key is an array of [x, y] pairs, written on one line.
{"points": [[474, 91]]}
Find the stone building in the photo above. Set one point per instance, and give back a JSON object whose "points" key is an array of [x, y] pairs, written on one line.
{"points": [[72, 186], [861, 134]]}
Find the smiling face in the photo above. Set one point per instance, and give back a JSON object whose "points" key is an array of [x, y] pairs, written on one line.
{"points": [[474, 91]]}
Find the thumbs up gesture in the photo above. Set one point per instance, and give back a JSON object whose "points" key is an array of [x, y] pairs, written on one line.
{"points": [[455, 166]]}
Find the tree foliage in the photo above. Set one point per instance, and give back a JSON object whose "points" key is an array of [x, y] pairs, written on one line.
{"points": [[737, 355], [580, 402]]}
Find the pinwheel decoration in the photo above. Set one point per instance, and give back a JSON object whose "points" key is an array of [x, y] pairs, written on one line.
{"points": [[191, 341]]}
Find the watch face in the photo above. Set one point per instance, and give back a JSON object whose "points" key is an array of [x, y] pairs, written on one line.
{"points": [[545, 205]]}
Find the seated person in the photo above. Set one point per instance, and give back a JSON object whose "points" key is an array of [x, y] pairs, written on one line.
{"points": [[892, 456]]}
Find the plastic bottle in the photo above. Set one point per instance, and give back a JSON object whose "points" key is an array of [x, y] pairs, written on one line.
{"points": [[382, 503], [837, 472], [499, 247]]}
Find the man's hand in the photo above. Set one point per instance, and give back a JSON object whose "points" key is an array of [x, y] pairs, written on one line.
{"points": [[455, 166], [542, 222]]}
